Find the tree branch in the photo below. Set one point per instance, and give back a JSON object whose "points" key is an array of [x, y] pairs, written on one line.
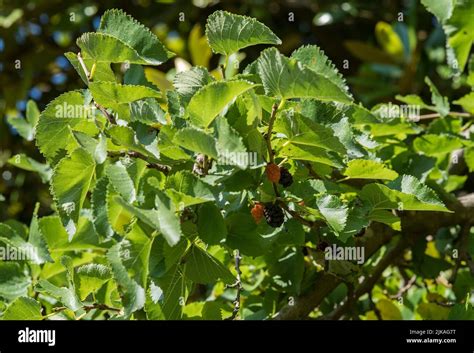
{"points": [[413, 223], [372, 278]]}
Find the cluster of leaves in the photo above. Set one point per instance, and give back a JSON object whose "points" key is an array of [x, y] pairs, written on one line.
{"points": [[153, 188]]}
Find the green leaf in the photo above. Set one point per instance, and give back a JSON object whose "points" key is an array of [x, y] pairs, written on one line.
{"points": [[186, 189], [210, 100], [202, 267], [442, 9], [286, 78], [230, 145], [153, 307], [34, 250], [467, 102], [198, 47], [405, 193], [441, 103], [309, 153], [368, 169], [70, 110], [163, 218], [434, 145], [314, 59], [90, 278], [211, 226], [70, 183], [122, 26], [469, 158], [334, 211], [66, 296], [119, 217], [22, 127], [169, 221], [243, 235], [133, 294], [147, 111], [212, 310], [24, 309], [147, 216], [460, 31], [287, 272], [26, 127], [302, 131], [14, 282], [104, 48], [117, 96], [138, 247], [188, 82], [388, 310], [37, 240], [103, 71], [433, 311], [385, 217], [461, 312], [57, 238], [389, 40], [96, 147], [121, 181], [120, 38], [197, 141], [228, 33], [26, 163], [167, 147], [126, 137], [99, 208], [175, 293]]}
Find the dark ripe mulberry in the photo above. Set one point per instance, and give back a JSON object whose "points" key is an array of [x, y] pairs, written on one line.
{"points": [[273, 215], [286, 179]]}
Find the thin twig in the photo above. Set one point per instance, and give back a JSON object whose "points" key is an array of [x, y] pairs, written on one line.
{"points": [[405, 288], [83, 65], [237, 285], [437, 115], [297, 216], [100, 306], [87, 308], [109, 117], [161, 167], [268, 139]]}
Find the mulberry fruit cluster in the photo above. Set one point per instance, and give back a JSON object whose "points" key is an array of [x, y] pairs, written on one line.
{"points": [[279, 175], [286, 179], [273, 215]]}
